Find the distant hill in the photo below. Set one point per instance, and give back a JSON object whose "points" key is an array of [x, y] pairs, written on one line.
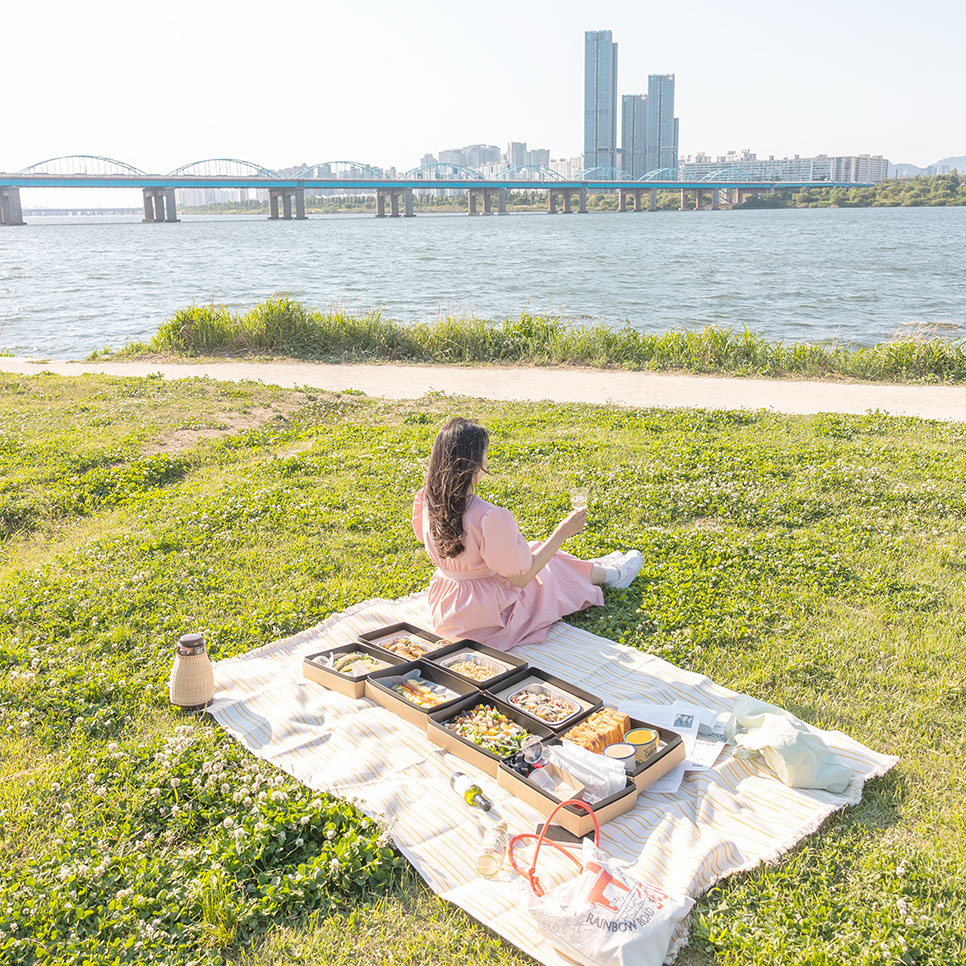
{"points": [[904, 170]]}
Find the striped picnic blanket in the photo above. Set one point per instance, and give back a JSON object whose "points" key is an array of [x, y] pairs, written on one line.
{"points": [[721, 821]]}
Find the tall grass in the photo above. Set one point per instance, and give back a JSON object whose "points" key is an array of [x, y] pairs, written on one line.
{"points": [[282, 326]]}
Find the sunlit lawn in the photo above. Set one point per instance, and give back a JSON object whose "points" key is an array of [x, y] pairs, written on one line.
{"points": [[815, 562]]}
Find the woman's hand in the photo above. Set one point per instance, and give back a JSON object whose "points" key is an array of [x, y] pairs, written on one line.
{"points": [[572, 524]]}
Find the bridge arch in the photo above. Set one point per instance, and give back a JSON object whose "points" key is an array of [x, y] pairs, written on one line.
{"points": [[727, 174], [86, 164], [340, 169], [222, 168], [443, 171], [603, 173], [530, 172], [661, 174]]}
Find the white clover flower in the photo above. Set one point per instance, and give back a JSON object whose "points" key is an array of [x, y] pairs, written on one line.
{"points": [[228, 822], [155, 793], [334, 865], [175, 782], [300, 841], [330, 834], [55, 788], [304, 820], [225, 789]]}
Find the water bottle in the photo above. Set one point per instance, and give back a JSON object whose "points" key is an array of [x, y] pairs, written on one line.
{"points": [[471, 792], [489, 860]]}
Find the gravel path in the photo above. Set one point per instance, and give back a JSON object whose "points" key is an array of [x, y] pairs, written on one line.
{"points": [[637, 389]]}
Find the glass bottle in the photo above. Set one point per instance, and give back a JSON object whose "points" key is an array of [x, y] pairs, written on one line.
{"points": [[471, 792]]}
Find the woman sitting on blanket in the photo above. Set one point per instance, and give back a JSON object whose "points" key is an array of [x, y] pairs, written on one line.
{"points": [[491, 585]]}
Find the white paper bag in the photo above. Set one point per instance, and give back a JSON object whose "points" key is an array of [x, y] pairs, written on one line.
{"points": [[608, 917]]}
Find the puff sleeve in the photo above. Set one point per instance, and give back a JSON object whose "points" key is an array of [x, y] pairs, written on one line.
{"points": [[502, 546], [418, 517]]}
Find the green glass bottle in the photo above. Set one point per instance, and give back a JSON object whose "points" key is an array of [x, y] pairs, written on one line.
{"points": [[471, 792]]}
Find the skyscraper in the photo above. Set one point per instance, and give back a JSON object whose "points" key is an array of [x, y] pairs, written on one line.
{"points": [[662, 125], [600, 99], [634, 134]]}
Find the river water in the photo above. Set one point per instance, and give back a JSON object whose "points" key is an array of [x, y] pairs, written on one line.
{"points": [[71, 285]]}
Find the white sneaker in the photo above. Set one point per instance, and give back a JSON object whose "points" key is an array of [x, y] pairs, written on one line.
{"points": [[627, 569], [613, 559]]}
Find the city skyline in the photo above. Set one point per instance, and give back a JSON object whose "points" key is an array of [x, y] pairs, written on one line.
{"points": [[775, 80]]}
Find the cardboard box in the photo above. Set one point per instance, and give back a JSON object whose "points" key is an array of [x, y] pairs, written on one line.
{"points": [[573, 819], [585, 701], [483, 654], [435, 644], [469, 751], [316, 668], [379, 690], [670, 752]]}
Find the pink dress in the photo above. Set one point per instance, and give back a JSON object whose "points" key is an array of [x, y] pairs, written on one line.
{"points": [[469, 596]]}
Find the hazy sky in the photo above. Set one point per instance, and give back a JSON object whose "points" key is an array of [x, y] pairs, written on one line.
{"points": [[162, 84]]}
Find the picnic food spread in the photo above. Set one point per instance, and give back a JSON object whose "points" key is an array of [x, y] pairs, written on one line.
{"points": [[601, 729], [344, 663], [544, 704], [423, 693], [490, 729], [411, 648], [471, 669]]}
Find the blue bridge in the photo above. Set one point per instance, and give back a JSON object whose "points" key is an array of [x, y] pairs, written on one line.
{"points": [[394, 193]]}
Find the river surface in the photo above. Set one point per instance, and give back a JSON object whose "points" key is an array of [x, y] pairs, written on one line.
{"points": [[70, 285]]}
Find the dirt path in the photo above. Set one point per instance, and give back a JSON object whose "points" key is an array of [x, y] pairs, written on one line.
{"points": [[620, 388]]}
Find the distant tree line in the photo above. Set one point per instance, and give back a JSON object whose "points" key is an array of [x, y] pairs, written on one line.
{"points": [[923, 191]]}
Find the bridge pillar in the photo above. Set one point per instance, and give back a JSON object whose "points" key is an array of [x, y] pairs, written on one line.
{"points": [[652, 200], [148, 204], [621, 199], [170, 208], [583, 200], [697, 199], [566, 201], [487, 201], [471, 202], [11, 211], [501, 208], [381, 202], [286, 206], [637, 199], [393, 204], [551, 201], [300, 204], [273, 195], [715, 200], [684, 199], [408, 199]]}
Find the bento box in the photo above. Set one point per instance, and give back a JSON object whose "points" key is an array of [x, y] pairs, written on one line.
{"points": [[380, 684], [426, 641], [573, 819], [480, 664], [486, 759], [669, 751], [533, 691], [320, 668]]}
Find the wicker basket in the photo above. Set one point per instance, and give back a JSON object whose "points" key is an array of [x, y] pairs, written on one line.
{"points": [[192, 683]]}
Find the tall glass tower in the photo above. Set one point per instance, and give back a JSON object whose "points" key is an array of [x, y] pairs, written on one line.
{"points": [[634, 134], [662, 125], [600, 100]]}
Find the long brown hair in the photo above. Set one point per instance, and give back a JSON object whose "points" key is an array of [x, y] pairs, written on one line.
{"points": [[457, 454]]}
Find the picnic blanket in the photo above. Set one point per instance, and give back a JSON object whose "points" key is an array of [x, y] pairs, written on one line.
{"points": [[724, 820]]}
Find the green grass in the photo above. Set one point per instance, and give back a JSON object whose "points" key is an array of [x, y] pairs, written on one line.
{"points": [[282, 327], [815, 562]]}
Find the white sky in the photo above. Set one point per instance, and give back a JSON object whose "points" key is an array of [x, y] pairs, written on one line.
{"points": [[162, 84]]}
